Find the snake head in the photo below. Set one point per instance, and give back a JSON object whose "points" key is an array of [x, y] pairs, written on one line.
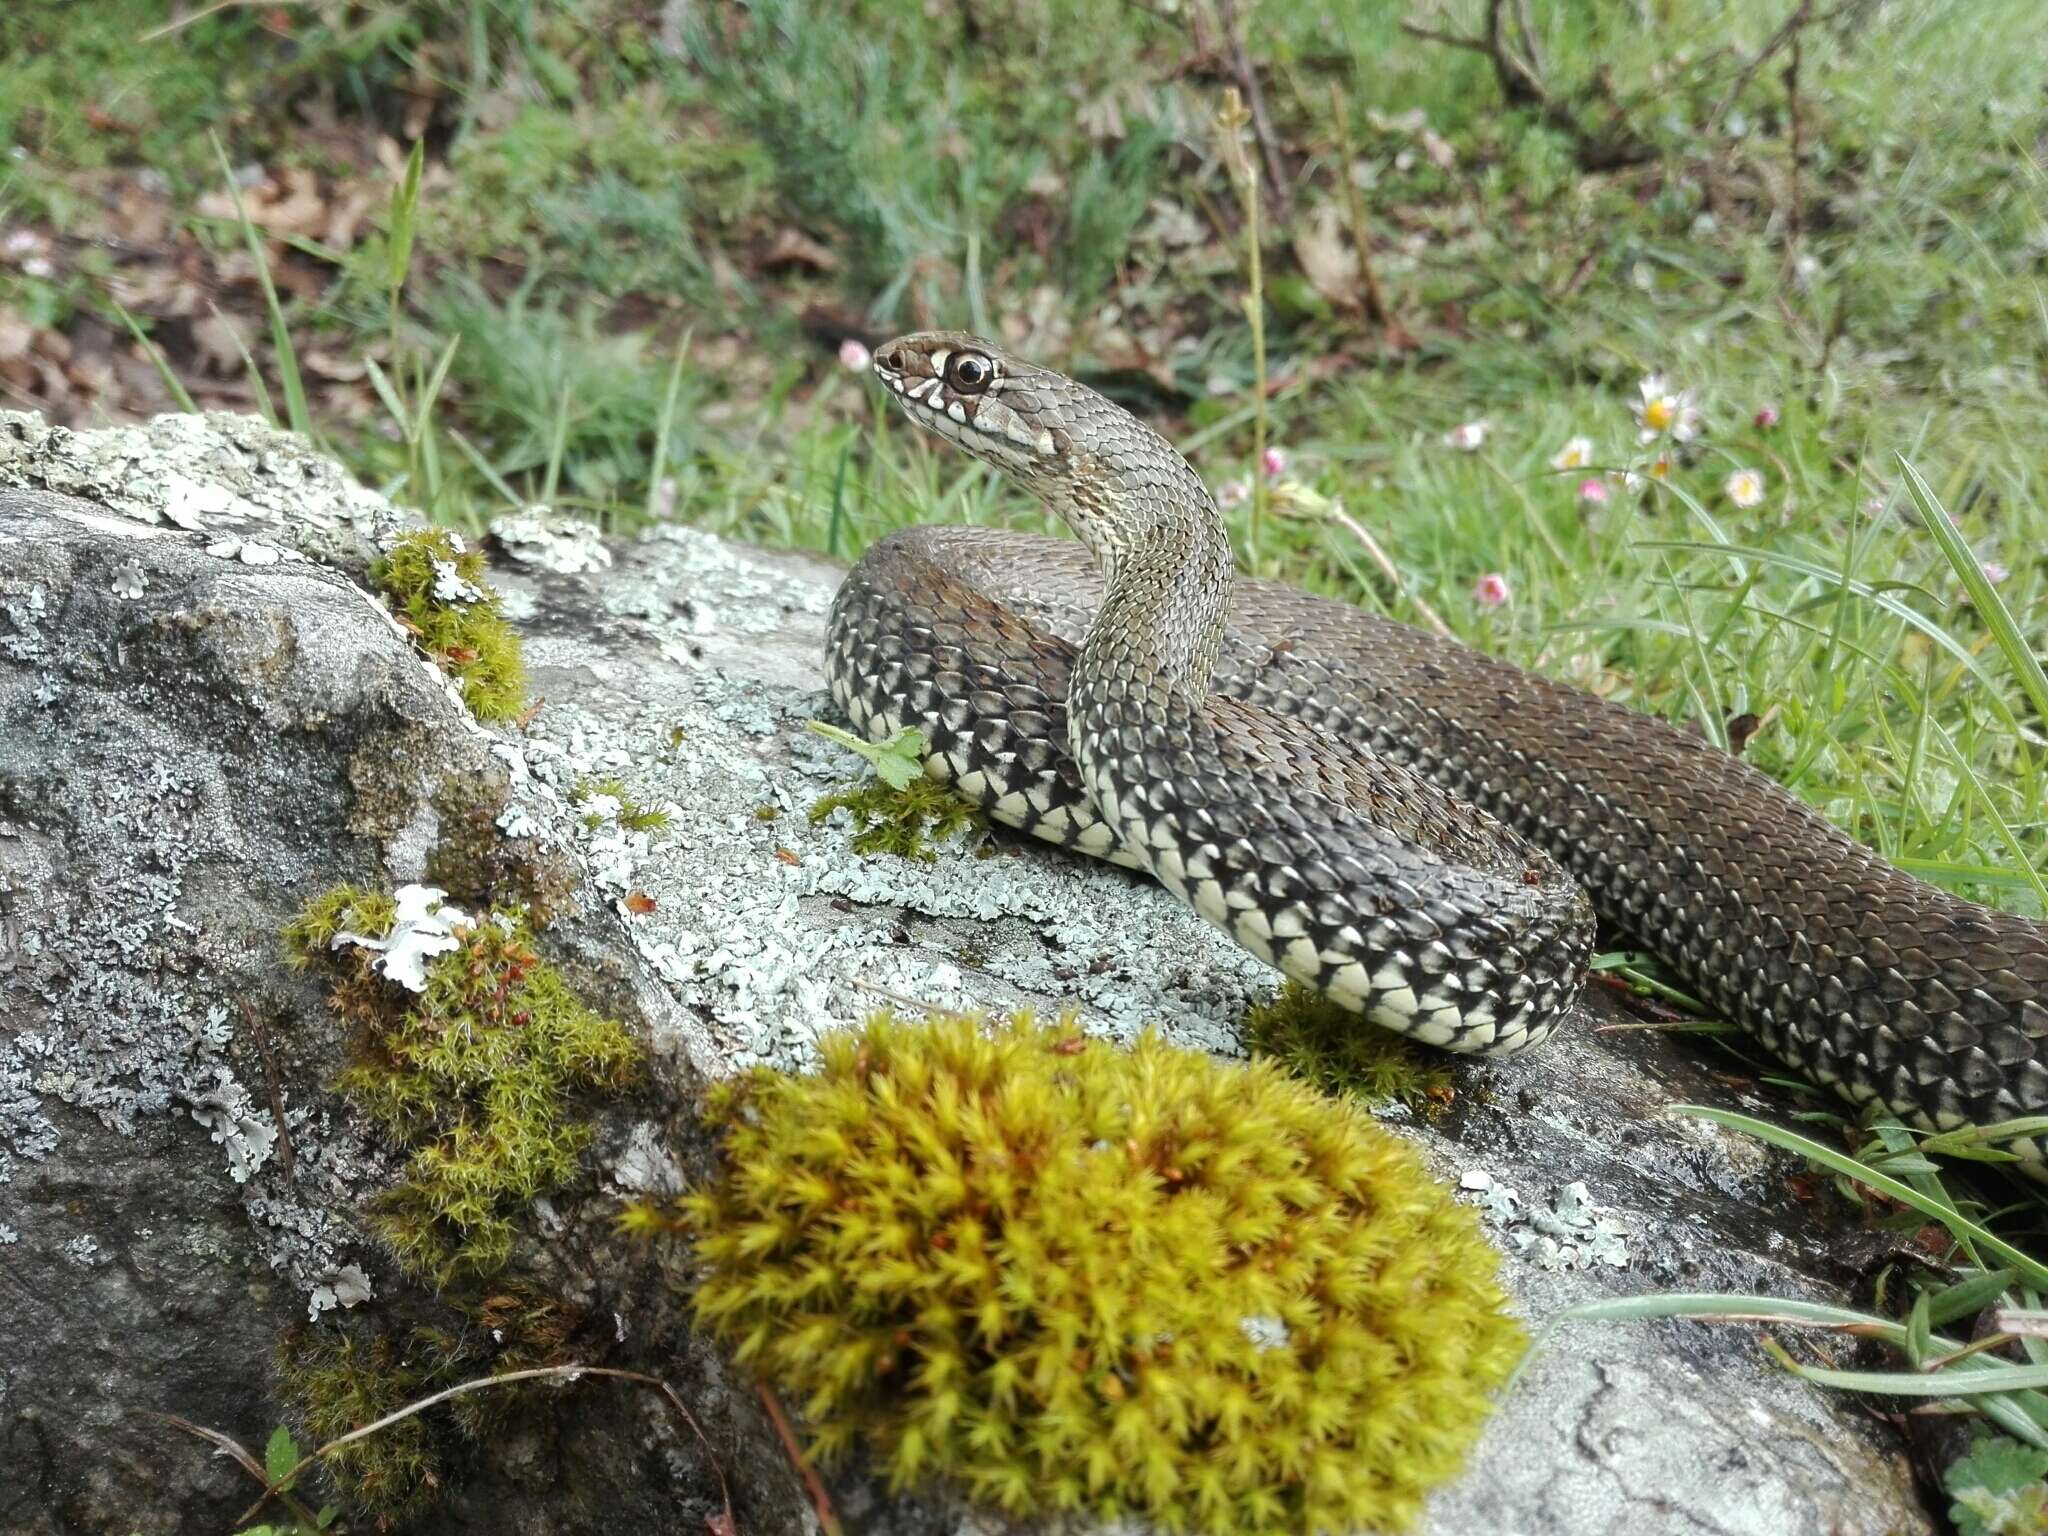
{"points": [[974, 394]]}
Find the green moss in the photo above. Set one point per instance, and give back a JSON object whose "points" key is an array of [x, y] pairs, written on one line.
{"points": [[475, 863], [1141, 1282], [476, 1076], [438, 592], [1340, 1052], [631, 813], [905, 822], [309, 937], [337, 1376], [337, 1379]]}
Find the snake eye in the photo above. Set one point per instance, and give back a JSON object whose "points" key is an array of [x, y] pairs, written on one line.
{"points": [[969, 373]]}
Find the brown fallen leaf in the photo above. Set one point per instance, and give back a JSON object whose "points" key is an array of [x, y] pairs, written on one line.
{"points": [[1328, 259], [220, 339], [794, 248]]}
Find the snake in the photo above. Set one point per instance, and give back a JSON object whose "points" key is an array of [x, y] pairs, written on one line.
{"points": [[1425, 834]]}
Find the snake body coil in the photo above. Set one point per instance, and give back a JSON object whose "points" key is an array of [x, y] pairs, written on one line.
{"points": [[1405, 824]]}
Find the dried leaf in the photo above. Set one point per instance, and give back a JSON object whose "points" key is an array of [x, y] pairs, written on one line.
{"points": [[794, 248], [1327, 258]]}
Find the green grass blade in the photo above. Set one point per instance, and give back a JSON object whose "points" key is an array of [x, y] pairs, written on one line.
{"points": [[157, 359], [1994, 695], [1840, 1162], [2026, 666], [405, 200], [298, 415], [662, 428]]}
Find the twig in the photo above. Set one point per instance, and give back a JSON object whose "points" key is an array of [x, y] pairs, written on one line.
{"points": [[1801, 14], [281, 1489], [1798, 126], [1356, 529], [260, 1028], [1262, 126], [1518, 71], [1230, 122], [1354, 208], [195, 17], [246, 1460], [819, 1501], [903, 1001]]}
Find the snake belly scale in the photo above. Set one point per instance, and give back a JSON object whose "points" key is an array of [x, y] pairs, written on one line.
{"points": [[1420, 831]]}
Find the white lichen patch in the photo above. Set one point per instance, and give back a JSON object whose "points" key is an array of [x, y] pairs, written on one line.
{"points": [[549, 541], [1568, 1233], [223, 475], [428, 924], [773, 929], [346, 1287]]}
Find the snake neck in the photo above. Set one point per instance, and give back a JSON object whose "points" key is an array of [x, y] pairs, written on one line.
{"points": [[1166, 563]]}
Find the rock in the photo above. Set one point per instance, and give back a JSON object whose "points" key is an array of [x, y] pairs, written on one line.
{"points": [[192, 744]]}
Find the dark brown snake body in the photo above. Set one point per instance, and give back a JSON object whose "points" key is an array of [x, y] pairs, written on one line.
{"points": [[1407, 825]]}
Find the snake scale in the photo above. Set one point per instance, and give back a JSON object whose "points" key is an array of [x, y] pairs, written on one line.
{"points": [[1422, 832]]}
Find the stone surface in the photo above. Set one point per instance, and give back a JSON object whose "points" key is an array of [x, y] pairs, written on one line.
{"points": [[192, 743]]}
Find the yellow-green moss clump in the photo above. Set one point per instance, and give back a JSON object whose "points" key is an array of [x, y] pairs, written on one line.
{"points": [[476, 1075], [437, 589], [1075, 1277], [906, 822], [1340, 1052]]}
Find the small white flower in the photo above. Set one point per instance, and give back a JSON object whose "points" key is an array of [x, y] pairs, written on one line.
{"points": [[1232, 493], [852, 355], [1468, 436], [664, 506], [1993, 571], [1657, 469], [1745, 487], [1666, 412], [1577, 453]]}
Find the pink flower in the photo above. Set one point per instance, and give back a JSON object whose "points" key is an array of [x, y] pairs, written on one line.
{"points": [[1232, 493], [852, 355], [1593, 493], [1993, 571], [1766, 417], [1275, 462], [1491, 589]]}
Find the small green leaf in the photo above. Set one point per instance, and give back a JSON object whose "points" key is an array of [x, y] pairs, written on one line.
{"points": [[405, 199], [896, 761], [1919, 1331], [281, 1456], [1968, 1297], [1998, 1489]]}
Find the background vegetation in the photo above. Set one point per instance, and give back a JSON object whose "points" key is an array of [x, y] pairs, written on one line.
{"points": [[643, 231]]}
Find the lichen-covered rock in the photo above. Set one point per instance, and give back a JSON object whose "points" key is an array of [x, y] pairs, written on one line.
{"points": [[205, 723]]}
